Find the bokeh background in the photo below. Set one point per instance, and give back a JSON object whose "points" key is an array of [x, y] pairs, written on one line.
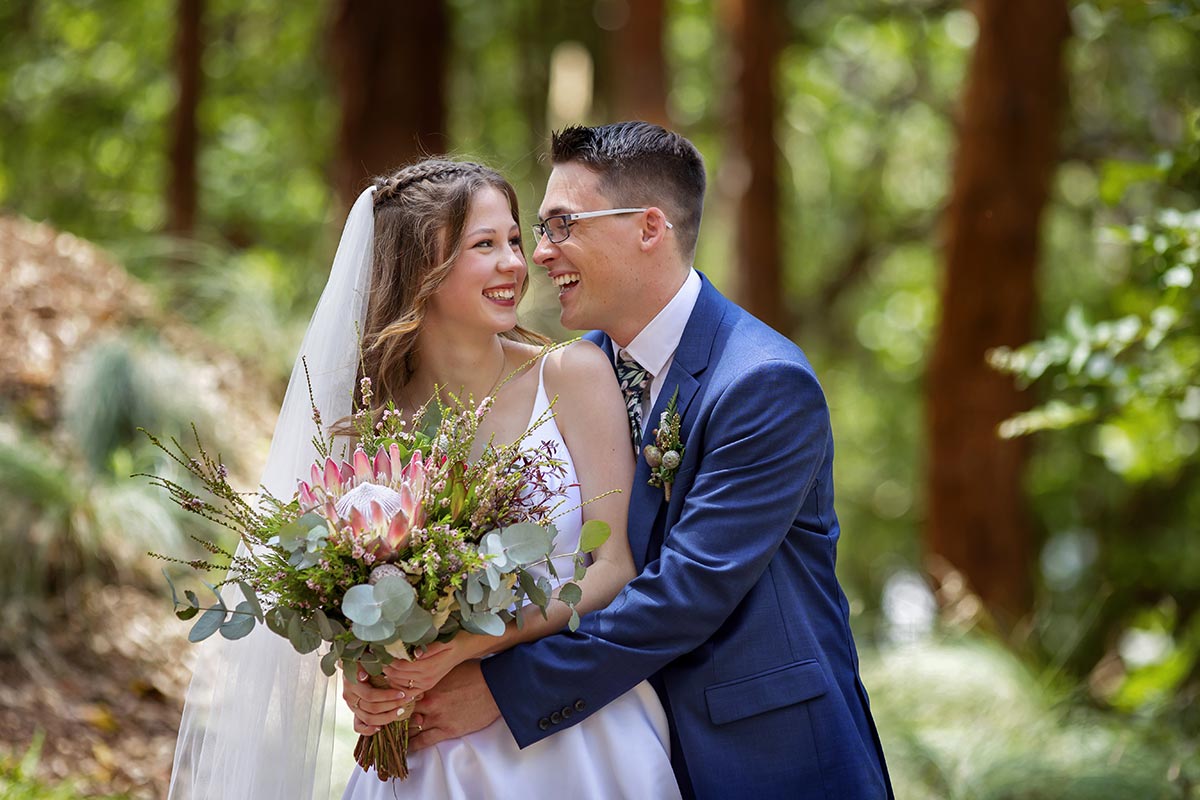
{"points": [[979, 219]]}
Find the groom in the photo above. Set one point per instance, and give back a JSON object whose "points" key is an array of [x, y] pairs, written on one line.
{"points": [[736, 617]]}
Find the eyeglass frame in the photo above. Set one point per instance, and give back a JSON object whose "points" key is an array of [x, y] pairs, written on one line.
{"points": [[540, 229]]}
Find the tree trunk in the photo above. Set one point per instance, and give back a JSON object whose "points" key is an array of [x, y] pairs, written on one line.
{"points": [[183, 189], [637, 64], [390, 59], [1007, 152], [750, 176]]}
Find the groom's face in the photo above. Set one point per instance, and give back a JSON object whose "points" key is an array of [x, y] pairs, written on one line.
{"points": [[596, 286]]}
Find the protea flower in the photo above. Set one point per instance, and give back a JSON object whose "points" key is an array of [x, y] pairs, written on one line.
{"points": [[378, 500]]}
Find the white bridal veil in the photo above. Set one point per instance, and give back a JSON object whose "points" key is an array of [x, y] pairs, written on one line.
{"points": [[258, 719]]}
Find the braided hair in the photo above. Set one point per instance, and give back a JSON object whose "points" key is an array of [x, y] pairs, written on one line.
{"points": [[420, 216]]}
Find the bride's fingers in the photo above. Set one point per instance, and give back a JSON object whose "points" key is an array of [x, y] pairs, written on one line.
{"points": [[377, 702], [399, 673], [433, 649], [363, 728]]}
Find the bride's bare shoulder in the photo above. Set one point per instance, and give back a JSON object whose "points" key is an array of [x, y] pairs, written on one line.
{"points": [[579, 363]]}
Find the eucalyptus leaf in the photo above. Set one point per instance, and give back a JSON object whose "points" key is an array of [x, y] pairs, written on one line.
{"points": [[312, 522], [252, 598], [594, 533], [531, 589], [304, 638], [360, 605], [418, 628], [207, 625], [395, 597], [187, 613], [378, 631], [329, 662], [570, 593], [580, 569], [239, 625], [526, 542], [573, 622], [171, 583], [486, 623], [323, 626], [192, 599], [277, 620], [500, 598], [474, 588]]}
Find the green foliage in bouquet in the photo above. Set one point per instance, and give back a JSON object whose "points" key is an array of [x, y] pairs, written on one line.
{"points": [[405, 541]]}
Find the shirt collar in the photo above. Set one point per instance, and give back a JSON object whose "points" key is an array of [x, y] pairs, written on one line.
{"points": [[654, 346]]}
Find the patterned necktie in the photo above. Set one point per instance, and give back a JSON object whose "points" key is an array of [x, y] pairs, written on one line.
{"points": [[633, 379]]}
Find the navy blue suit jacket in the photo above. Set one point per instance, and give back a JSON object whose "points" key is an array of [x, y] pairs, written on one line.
{"points": [[736, 616]]}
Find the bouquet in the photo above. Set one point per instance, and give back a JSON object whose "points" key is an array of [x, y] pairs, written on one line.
{"points": [[402, 542]]}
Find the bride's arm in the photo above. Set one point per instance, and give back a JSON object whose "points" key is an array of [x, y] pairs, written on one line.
{"points": [[590, 413]]}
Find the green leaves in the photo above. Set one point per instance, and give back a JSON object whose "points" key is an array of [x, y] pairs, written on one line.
{"points": [[208, 624], [386, 611], [233, 624], [571, 594], [526, 542], [303, 540], [594, 533]]}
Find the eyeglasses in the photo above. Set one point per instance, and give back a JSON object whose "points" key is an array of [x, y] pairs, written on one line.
{"points": [[558, 227]]}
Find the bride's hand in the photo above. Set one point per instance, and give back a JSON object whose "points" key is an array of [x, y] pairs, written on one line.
{"points": [[429, 666], [373, 708]]}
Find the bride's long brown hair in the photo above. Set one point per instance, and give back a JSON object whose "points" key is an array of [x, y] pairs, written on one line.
{"points": [[420, 214]]}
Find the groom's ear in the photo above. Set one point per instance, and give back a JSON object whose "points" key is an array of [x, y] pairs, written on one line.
{"points": [[654, 228]]}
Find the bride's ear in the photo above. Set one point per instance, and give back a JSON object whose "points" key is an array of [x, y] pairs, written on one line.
{"points": [[654, 228]]}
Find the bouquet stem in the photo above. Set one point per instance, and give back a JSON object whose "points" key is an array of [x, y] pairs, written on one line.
{"points": [[387, 749]]}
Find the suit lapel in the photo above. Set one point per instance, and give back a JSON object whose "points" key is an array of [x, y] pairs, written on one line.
{"points": [[690, 360]]}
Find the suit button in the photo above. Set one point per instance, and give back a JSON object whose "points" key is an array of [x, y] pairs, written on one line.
{"points": [[580, 705], [556, 717], [544, 723], [567, 712]]}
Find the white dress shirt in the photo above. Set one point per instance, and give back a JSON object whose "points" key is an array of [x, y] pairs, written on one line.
{"points": [[654, 347]]}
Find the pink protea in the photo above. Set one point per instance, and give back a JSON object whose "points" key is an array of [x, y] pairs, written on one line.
{"points": [[383, 466], [363, 470], [375, 500]]}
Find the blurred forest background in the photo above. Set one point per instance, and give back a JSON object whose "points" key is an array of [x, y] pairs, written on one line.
{"points": [[979, 219]]}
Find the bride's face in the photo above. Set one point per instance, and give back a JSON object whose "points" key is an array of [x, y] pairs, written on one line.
{"points": [[484, 284]]}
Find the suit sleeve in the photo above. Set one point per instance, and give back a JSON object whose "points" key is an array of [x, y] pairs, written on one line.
{"points": [[764, 444]]}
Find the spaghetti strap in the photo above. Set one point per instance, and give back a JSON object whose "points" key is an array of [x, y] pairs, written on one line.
{"points": [[541, 401]]}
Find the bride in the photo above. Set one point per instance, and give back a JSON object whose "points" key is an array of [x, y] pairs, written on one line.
{"points": [[430, 269]]}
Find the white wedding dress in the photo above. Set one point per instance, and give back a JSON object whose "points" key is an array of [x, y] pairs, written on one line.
{"points": [[620, 751]]}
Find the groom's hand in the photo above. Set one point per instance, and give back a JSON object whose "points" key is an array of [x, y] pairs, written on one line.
{"points": [[461, 703]]}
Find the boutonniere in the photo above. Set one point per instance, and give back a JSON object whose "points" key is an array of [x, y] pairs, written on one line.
{"points": [[665, 455]]}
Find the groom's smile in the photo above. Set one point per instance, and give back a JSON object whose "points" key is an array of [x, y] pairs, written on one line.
{"points": [[565, 281]]}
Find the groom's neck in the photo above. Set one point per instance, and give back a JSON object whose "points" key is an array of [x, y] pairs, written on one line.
{"points": [[655, 290]]}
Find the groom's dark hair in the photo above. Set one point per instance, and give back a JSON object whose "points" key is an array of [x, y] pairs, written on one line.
{"points": [[641, 164]]}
